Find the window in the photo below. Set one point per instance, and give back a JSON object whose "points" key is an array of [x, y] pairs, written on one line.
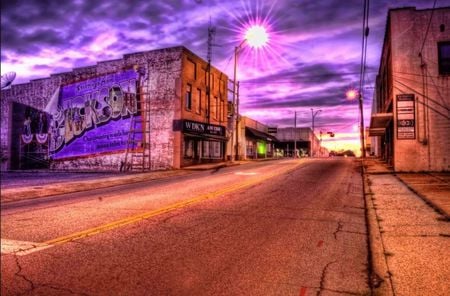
{"points": [[212, 150], [198, 106], [222, 87], [188, 98], [202, 76], [216, 102], [191, 69], [188, 148], [444, 57]]}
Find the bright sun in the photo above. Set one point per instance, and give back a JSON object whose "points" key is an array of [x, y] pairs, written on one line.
{"points": [[256, 36]]}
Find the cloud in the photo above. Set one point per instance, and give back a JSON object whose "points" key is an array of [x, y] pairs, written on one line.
{"points": [[312, 58]]}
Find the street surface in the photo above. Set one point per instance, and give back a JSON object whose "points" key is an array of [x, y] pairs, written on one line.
{"points": [[287, 227]]}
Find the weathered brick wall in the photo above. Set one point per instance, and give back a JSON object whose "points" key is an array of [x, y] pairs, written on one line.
{"points": [[162, 68], [420, 76]]}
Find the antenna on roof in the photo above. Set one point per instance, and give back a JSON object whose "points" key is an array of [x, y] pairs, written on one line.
{"points": [[211, 33], [7, 79]]}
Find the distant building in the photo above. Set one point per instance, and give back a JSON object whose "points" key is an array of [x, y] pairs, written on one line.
{"points": [[148, 110], [254, 141], [411, 115], [302, 138]]}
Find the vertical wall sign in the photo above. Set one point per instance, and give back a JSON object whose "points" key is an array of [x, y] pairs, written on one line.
{"points": [[406, 122], [94, 116]]}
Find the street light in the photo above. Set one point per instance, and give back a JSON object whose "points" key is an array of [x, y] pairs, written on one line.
{"points": [[313, 115], [256, 36], [351, 95]]}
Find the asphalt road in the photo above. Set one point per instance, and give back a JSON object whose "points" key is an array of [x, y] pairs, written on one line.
{"points": [[275, 228]]}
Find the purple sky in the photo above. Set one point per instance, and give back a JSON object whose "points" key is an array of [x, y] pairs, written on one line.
{"points": [[311, 60]]}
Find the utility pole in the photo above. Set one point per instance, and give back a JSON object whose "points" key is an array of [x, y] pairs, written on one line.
{"points": [[295, 134], [361, 126], [237, 121], [236, 96]]}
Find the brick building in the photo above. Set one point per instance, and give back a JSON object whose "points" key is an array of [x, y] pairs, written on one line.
{"points": [[254, 140], [410, 117], [150, 110]]}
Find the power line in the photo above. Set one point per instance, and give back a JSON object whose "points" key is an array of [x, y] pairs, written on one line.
{"points": [[416, 81], [428, 28], [305, 77], [428, 106], [414, 74], [365, 34]]}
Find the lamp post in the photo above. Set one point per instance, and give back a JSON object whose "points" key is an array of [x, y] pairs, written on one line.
{"points": [[256, 36], [353, 94], [313, 115], [236, 97]]}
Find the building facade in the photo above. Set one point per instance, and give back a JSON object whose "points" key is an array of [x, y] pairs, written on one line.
{"points": [[410, 118], [300, 141], [159, 109], [254, 140]]}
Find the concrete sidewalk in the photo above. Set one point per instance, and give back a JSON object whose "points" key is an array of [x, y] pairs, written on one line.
{"points": [[16, 186], [433, 188], [409, 239]]}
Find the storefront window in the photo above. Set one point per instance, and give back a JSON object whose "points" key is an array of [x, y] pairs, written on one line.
{"points": [[212, 150], [250, 149], [188, 148], [261, 147]]}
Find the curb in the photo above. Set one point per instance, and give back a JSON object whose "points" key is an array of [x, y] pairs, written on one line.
{"points": [[211, 167], [379, 276]]}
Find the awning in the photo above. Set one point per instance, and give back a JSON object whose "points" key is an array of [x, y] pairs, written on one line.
{"points": [[253, 133], [373, 132], [378, 123], [380, 120], [206, 137]]}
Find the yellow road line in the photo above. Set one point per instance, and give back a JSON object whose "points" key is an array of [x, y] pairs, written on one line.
{"points": [[172, 207]]}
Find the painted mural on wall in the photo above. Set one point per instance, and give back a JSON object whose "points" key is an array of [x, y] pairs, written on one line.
{"points": [[94, 116], [35, 126]]}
